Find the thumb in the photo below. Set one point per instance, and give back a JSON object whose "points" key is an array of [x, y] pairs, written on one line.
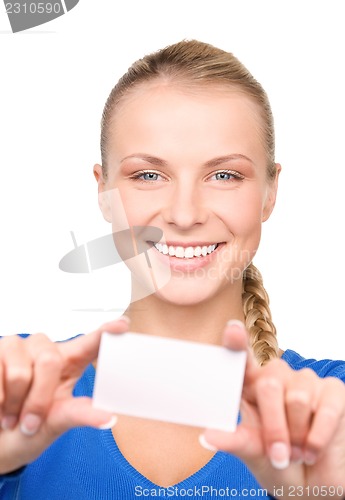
{"points": [[82, 350], [235, 337], [245, 442], [78, 412]]}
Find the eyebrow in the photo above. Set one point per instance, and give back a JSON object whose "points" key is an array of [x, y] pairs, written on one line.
{"points": [[150, 159], [223, 159], [209, 164]]}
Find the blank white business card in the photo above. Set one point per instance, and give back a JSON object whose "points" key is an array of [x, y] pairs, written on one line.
{"points": [[170, 380]]}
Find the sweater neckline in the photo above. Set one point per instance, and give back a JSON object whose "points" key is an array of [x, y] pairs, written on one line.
{"points": [[110, 444], [191, 481], [198, 476]]}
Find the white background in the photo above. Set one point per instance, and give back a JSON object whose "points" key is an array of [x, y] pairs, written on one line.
{"points": [[54, 81]]}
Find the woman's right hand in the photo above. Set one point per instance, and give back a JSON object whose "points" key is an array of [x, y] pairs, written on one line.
{"points": [[37, 377]]}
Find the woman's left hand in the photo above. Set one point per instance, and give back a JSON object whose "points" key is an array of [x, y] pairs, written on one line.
{"points": [[292, 430]]}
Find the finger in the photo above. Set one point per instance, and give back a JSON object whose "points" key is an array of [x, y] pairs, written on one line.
{"points": [[245, 442], [2, 393], [82, 350], [78, 412], [46, 377], [271, 404], [17, 377], [235, 337], [299, 410], [329, 413]]}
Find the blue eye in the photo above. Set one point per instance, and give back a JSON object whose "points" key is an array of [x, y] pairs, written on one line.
{"points": [[145, 176], [227, 175], [149, 176], [223, 176]]}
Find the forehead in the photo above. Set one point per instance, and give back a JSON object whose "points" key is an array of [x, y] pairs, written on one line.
{"points": [[166, 118]]}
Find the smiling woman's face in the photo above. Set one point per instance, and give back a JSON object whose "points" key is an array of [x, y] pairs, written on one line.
{"points": [[192, 163]]}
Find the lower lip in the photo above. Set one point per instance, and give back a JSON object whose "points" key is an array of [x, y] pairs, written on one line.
{"points": [[179, 264]]}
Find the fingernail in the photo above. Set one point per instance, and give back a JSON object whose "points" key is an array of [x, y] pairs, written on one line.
{"points": [[235, 322], [309, 457], [279, 456], [206, 444], [124, 318], [8, 422], [296, 454], [109, 424], [30, 424]]}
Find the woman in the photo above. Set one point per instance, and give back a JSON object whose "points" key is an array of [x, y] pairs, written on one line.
{"points": [[187, 146]]}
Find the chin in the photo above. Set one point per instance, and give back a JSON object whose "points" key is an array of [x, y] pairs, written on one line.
{"points": [[186, 294]]}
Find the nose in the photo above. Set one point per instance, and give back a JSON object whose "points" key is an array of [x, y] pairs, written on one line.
{"points": [[185, 206]]}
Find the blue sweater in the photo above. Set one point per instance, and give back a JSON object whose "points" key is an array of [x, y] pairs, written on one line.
{"points": [[86, 464]]}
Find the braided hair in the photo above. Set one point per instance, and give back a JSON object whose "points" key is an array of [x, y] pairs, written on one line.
{"points": [[258, 319]]}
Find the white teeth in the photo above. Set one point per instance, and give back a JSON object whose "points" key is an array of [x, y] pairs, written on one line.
{"points": [[189, 253], [179, 252], [197, 251], [185, 253]]}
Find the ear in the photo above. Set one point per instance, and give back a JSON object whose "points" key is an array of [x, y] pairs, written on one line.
{"points": [[103, 198], [271, 195]]}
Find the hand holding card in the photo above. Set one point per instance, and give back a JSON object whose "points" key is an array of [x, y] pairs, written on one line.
{"points": [[170, 380]]}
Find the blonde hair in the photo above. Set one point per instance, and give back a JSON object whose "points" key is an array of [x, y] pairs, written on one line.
{"points": [[196, 64]]}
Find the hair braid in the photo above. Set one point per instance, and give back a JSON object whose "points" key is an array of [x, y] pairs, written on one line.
{"points": [[258, 319]]}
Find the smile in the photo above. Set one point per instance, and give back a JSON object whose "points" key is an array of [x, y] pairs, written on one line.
{"points": [[187, 252]]}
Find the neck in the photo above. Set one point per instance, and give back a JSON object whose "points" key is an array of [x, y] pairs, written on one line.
{"points": [[201, 322]]}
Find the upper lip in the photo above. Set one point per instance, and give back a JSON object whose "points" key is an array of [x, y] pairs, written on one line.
{"points": [[185, 244]]}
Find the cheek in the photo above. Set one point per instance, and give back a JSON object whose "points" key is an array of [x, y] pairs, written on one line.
{"points": [[141, 206], [243, 220], [242, 212], [250, 215], [128, 205]]}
